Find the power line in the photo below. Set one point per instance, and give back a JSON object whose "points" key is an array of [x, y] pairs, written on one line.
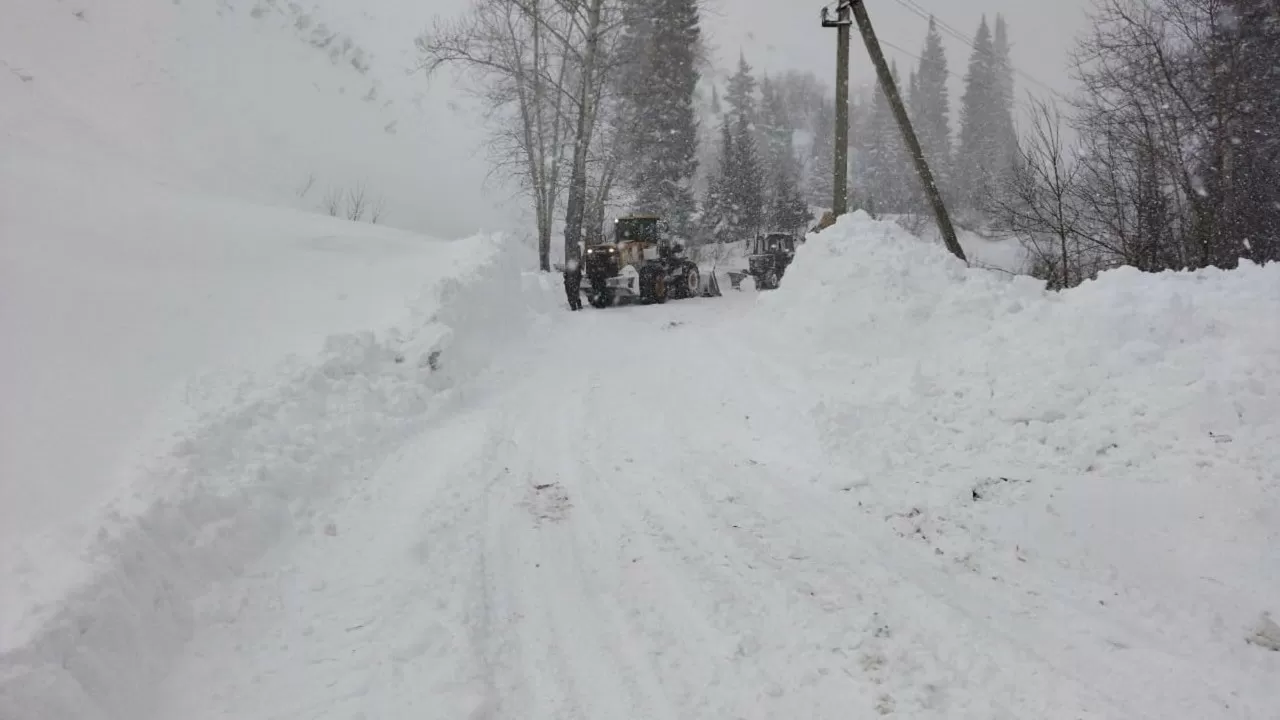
{"points": [[1022, 102], [950, 30], [946, 27], [914, 7], [913, 56]]}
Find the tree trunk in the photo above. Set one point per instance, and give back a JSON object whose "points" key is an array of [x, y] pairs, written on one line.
{"points": [[576, 208], [544, 247]]}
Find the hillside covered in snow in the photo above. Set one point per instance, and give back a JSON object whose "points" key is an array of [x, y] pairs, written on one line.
{"points": [[269, 101], [149, 148], [166, 261]]}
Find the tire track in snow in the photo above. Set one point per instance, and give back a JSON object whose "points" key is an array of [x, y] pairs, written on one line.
{"points": [[749, 619], [578, 661], [367, 620], [677, 633], [672, 501], [704, 578]]}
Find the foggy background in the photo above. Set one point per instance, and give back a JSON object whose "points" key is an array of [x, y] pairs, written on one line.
{"points": [[775, 35]]}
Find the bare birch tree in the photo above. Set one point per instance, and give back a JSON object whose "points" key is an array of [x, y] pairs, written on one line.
{"points": [[1040, 201], [522, 56], [591, 25], [1180, 160]]}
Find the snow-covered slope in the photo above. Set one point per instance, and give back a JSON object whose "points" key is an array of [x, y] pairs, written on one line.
{"points": [[185, 377], [188, 361], [267, 100], [147, 315]]}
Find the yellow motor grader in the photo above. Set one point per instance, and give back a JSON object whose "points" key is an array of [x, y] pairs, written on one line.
{"points": [[642, 263]]}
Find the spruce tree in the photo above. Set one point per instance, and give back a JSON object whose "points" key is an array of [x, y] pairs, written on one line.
{"points": [[788, 210], [861, 116], [913, 97], [821, 175], [717, 216], [631, 87], [1005, 139], [743, 188], [775, 135], [978, 123], [666, 133], [932, 121], [884, 158], [741, 95], [745, 182]]}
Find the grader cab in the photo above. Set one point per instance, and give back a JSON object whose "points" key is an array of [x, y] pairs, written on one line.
{"points": [[641, 263]]}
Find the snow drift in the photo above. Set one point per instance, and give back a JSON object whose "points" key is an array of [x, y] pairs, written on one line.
{"points": [[1115, 446], [185, 376], [187, 365]]}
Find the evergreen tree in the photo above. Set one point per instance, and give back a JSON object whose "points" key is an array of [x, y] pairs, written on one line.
{"points": [[821, 171], [861, 115], [788, 211], [913, 97], [631, 88], [664, 122], [718, 221], [1005, 131], [979, 123], [884, 158], [741, 95], [744, 182], [742, 189], [776, 136], [933, 108]]}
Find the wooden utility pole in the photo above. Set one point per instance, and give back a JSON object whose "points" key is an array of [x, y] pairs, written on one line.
{"points": [[840, 184], [908, 134]]}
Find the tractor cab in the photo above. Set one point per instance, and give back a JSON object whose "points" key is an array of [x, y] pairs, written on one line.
{"points": [[639, 228], [641, 238], [775, 244], [636, 239], [642, 262], [770, 256]]}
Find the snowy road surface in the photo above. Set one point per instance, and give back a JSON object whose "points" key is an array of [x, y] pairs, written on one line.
{"points": [[620, 521]]}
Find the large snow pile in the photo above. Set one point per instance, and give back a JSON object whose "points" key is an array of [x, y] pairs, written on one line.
{"points": [[1114, 448]]}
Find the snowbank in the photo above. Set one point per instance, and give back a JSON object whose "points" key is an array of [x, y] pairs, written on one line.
{"points": [[184, 377], [1116, 446]]}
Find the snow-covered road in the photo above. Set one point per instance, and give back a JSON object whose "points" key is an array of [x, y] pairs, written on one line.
{"points": [[620, 521]]}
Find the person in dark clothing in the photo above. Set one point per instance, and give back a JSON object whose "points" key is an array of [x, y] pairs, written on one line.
{"points": [[573, 284]]}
